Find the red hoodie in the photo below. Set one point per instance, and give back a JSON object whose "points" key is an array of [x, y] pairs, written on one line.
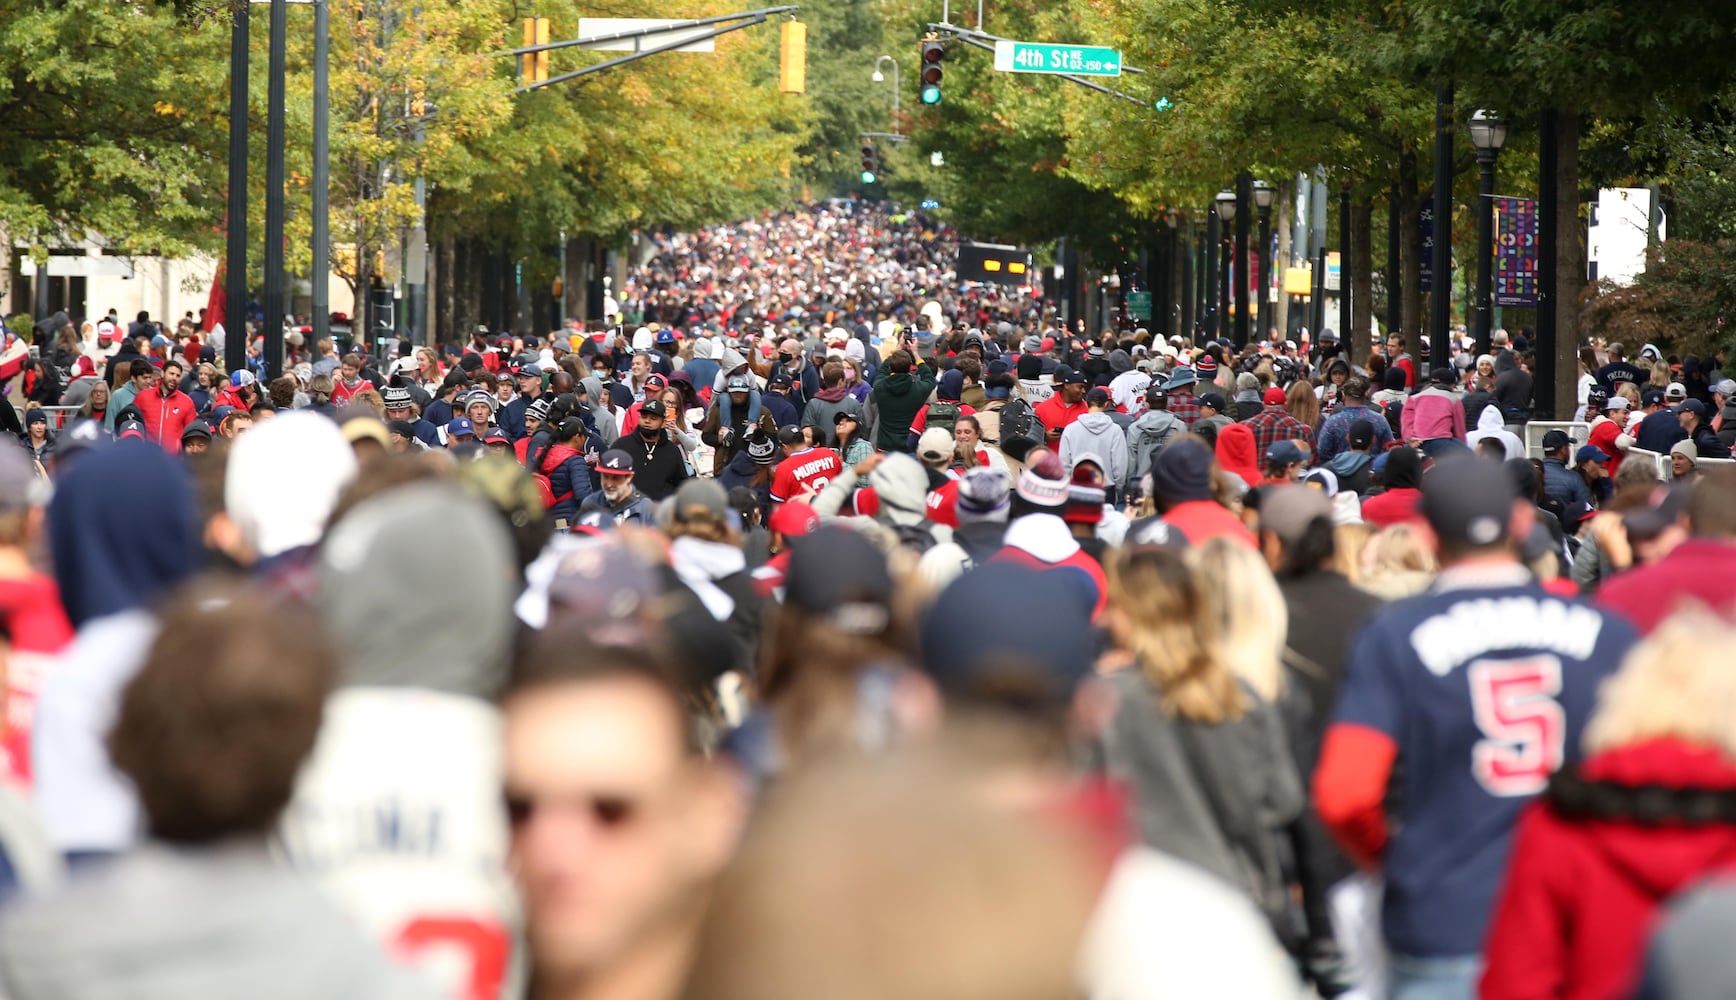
{"points": [[31, 610], [1236, 452], [1581, 894]]}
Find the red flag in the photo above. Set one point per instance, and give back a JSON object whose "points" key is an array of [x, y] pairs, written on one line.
{"points": [[216, 305]]}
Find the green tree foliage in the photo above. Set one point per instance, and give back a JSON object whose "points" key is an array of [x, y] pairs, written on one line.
{"points": [[114, 123]]}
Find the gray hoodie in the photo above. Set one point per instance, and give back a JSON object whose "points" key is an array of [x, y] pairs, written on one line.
{"points": [[1097, 434], [213, 923], [1151, 431]]}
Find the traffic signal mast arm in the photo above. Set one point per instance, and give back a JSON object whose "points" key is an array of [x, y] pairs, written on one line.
{"points": [[986, 42], [747, 18]]}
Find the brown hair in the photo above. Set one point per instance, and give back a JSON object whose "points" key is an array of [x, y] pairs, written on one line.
{"points": [[281, 391], [214, 727], [1301, 403], [565, 653], [832, 374], [1711, 512]]}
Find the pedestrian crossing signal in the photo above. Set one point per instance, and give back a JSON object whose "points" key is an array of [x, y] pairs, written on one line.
{"points": [[933, 54]]}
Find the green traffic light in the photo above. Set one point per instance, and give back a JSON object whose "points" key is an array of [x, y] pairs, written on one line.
{"points": [[1163, 104], [867, 176], [931, 95]]}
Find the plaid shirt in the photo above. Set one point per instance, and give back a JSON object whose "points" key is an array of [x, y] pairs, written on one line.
{"points": [[1272, 425], [1186, 407], [1335, 432]]}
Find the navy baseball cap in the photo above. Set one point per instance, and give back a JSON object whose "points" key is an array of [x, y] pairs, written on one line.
{"points": [[1284, 452], [1590, 453], [460, 425], [615, 462], [1693, 406], [1557, 439]]}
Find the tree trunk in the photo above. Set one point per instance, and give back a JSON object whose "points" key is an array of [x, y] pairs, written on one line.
{"points": [[1410, 247], [1569, 265], [1361, 264], [445, 311]]}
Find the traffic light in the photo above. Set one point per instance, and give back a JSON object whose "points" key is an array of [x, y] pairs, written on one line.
{"points": [[1162, 104], [534, 67], [933, 54], [793, 57], [870, 162]]}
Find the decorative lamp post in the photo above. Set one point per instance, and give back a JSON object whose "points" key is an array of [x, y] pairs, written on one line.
{"points": [[1225, 205], [1265, 195], [1488, 135]]}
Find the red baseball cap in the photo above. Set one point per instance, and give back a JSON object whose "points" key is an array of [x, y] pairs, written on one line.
{"points": [[794, 519], [1274, 396]]}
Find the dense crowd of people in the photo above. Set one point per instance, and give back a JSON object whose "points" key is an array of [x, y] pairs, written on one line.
{"points": [[832, 628]]}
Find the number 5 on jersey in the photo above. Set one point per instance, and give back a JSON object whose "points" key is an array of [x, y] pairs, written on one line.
{"points": [[1524, 727]]}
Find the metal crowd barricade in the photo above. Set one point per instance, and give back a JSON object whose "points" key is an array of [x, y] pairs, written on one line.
{"points": [[58, 416], [1579, 430], [1660, 462]]}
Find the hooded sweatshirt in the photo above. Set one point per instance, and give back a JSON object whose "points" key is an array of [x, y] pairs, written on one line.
{"points": [[1097, 434], [207, 923], [110, 570], [1043, 541], [1585, 886], [397, 812], [1236, 453], [898, 396], [1151, 431], [1491, 425]]}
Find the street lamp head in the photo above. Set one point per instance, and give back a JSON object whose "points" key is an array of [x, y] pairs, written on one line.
{"points": [[879, 77], [1264, 195], [1488, 131], [1226, 205]]}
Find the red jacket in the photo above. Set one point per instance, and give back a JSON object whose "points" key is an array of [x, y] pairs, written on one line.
{"points": [[1581, 894], [1392, 507], [1201, 520], [1696, 570], [165, 417], [1057, 415]]}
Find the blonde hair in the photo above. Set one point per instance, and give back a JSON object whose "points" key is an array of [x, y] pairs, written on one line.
{"points": [[1164, 615], [1675, 684], [1349, 540], [1398, 548], [1251, 610]]}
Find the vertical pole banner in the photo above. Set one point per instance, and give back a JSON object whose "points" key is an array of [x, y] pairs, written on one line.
{"points": [[1516, 252]]}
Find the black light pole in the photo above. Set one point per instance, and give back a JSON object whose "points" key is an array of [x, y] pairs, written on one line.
{"points": [[1225, 206], [235, 256], [1210, 298], [1488, 134], [1394, 279], [1189, 287], [321, 268], [1264, 195], [1548, 257], [1244, 199], [1346, 326], [1441, 299], [274, 178]]}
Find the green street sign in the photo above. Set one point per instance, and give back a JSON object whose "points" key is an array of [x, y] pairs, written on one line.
{"points": [[1139, 305], [1040, 57]]}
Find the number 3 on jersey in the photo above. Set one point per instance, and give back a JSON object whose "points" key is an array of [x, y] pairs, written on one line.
{"points": [[1524, 727]]}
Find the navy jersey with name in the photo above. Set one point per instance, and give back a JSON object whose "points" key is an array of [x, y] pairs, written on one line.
{"points": [[1484, 693]]}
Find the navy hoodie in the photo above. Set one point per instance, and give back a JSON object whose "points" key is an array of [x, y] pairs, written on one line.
{"points": [[106, 560]]}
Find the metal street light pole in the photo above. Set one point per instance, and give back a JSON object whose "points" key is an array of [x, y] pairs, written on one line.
{"points": [[235, 256], [1244, 197], [1264, 195], [1209, 298], [1488, 134], [1225, 206], [880, 77], [1441, 297], [276, 108], [321, 269]]}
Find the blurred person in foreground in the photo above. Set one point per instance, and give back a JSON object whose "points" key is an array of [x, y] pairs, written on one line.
{"points": [[210, 732], [1697, 569], [619, 824], [396, 813], [1648, 813], [1003, 709], [1461, 701]]}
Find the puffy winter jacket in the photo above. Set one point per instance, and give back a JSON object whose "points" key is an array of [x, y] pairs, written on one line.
{"points": [[165, 416], [569, 480]]}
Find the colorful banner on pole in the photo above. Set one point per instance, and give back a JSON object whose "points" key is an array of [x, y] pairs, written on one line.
{"points": [[1515, 251]]}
